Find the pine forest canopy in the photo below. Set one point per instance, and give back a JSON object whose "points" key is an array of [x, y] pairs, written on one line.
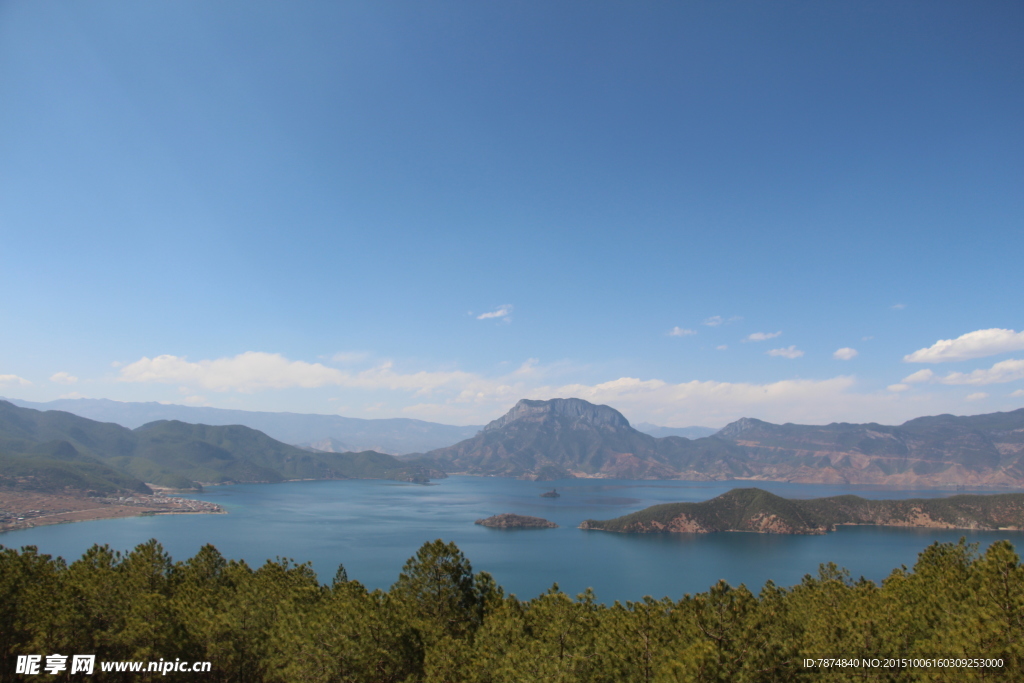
{"points": [[442, 622]]}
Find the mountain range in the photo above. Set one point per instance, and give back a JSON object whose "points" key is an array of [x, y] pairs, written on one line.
{"points": [[329, 433], [553, 439], [392, 435], [55, 450], [563, 438]]}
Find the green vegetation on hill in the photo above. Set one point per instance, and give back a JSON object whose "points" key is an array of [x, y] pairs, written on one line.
{"points": [[509, 520], [731, 511], [389, 435], [51, 451], [968, 511], [754, 509], [936, 450], [440, 622], [47, 475]]}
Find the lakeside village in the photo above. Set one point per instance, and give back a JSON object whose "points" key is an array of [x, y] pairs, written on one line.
{"points": [[27, 509]]}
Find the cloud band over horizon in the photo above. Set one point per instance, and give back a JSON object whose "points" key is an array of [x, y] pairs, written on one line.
{"points": [[471, 398]]}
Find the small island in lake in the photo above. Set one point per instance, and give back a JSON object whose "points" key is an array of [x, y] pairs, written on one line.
{"points": [[762, 512], [510, 521], [551, 494]]}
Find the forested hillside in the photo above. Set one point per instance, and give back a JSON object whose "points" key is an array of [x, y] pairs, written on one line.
{"points": [[54, 451], [441, 623], [764, 512], [392, 435]]}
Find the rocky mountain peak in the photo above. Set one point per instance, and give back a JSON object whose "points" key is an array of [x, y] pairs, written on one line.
{"points": [[734, 430], [577, 408]]}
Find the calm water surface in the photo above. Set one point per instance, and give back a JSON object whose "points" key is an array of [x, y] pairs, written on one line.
{"points": [[373, 527]]}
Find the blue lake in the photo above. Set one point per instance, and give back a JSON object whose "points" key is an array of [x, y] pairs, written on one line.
{"points": [[373, 527]]}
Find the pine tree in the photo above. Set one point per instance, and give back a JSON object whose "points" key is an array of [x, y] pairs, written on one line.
{"points": [[437, 588]]}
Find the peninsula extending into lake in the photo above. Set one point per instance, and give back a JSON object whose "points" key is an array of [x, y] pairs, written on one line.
{"points": [[27, 509], [759, 511]]}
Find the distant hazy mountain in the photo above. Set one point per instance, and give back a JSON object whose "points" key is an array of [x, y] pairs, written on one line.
{"points": [[328, 445], [685, 432], [394, 435], [571, 437], [54, 450]]}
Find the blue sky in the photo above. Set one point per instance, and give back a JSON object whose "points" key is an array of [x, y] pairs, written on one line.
{"points": [[432, 210]]}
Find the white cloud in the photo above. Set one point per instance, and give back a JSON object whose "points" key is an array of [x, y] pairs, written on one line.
{"points": [[895, 388], [845, 353], [346, 357], [14, 379], [420, 383], [717, 403], [1000, 373], [1004, 371], [63, 378], [255, 371], [721, 347], [680, 332], [925, 375], [716, 320], [73, 394], [249, 371], [788, 352], [458, 397], [501, 312], [528, 367], [977, 396], [1017, 394], [977, 344], [898, 307], [761, 336]]}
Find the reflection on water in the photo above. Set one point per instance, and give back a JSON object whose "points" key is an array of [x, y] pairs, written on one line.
{"points": [[374, 526]]}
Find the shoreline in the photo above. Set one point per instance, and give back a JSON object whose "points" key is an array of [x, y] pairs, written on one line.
{"points": [[1002, 487], [29, 509], [583, 526]]}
